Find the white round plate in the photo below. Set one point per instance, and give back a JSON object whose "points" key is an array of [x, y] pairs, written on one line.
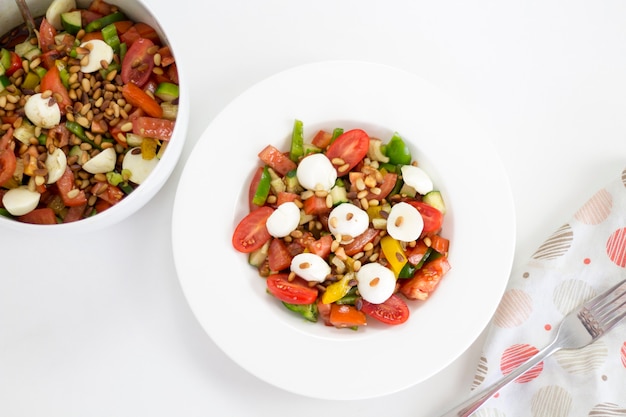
{"points": [[228, 296]]}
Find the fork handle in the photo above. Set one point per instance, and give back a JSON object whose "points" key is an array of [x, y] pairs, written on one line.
{"points": [[473, 403]]}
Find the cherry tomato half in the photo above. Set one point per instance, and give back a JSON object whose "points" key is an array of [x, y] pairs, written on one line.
{"points": [[433, 218], [138, 62], [296, 291], [351, 147], [251, 232], [393, 311]]}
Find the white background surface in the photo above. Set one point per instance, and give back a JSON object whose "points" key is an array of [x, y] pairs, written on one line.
{"points": [[97, 325]]}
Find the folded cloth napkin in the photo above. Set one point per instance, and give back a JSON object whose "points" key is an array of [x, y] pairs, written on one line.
{"points": [[584, 257]]}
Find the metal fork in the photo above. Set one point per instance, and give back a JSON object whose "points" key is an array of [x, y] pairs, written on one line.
{"points": [[581, 327]]}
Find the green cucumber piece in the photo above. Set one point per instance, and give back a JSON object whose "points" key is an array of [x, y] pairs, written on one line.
{"points": [[72, 22], [435, 200], [263, 189], [339, 195], [167, 91], [257, 257], [297, 141]]}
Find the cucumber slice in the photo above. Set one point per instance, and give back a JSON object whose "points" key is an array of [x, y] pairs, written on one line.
{"points": [[167, 91], [71, 22], [257, 257], [339, 195], [435, 200], [55, 11]]}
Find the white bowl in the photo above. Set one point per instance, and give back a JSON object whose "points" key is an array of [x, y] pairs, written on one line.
{"points": [[137, 11], [229, 298]]}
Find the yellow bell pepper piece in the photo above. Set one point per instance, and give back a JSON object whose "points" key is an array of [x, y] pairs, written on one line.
{"points": [[337, 290], [148, 148], [392, 249]]}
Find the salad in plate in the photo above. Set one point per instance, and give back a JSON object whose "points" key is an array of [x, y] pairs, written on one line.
{"points": [[344, 227]]}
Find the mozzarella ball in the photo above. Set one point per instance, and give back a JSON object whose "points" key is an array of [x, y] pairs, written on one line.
{"points": [[43, 112], [375, 282], [316, 172], [20, 200], [102, 163], [310, 267], [417, 178], [347, 220], [283, 220], [56, 162], [139, 168], [98, 51], [405, 223]]}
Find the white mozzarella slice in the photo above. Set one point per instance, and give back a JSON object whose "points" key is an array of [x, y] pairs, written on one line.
{"points": [[405, 223], [102, 163], [375, 282], [310, 267], [417, 178], [347, 221], [56, 162], [98, 51], [283, 220], [43, 112], [316, 172], [139, 168], [20, 200]]}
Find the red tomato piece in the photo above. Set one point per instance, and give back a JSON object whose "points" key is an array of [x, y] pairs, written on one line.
{"points": [[146, 31], [278, 257], [109, 193], [315, 205], [16, 63], [440, 244], [351, 147], [389, 181], [360, 241], [47, 32], [70, 195], [426, 279], [286, 197], [88, 16], [321, 246], [101, 7], [74, 213], [251, 232], [277, 160], [153, 127], [323, 312], [296, 291], [39, 216], [8, 161], [52, 81], [393, 311], [322, 139], [433, 218], [138, 62], [414, 254], [122, 26], [346, 316], [130, 36]]}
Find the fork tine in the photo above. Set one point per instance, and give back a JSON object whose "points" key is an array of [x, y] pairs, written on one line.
{"points": [[604, 299], [611, 317]]}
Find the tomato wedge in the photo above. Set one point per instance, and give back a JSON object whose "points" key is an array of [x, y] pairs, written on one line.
{"points": [[71, 195], [251, 232], [278, 256], [52, 81], [296, 291], [426, 279], [139, 98], [277, 160], [153, 127], [138, 62], [8, 162], [351, 147], [360, 241], [343, 315], [393, 311], [39, 216]]}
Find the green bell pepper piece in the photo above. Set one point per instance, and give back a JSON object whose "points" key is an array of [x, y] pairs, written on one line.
{"points": [[98, 24], [297, 141], [308, 311], [397, 151], [263, 189]]}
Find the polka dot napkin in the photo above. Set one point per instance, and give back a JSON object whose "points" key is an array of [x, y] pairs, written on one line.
{"points": [[584, 257]]}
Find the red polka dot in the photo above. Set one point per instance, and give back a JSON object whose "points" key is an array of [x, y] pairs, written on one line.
{"points": [[514, 356], [616, 247], [587, 261], [548, 327]]}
